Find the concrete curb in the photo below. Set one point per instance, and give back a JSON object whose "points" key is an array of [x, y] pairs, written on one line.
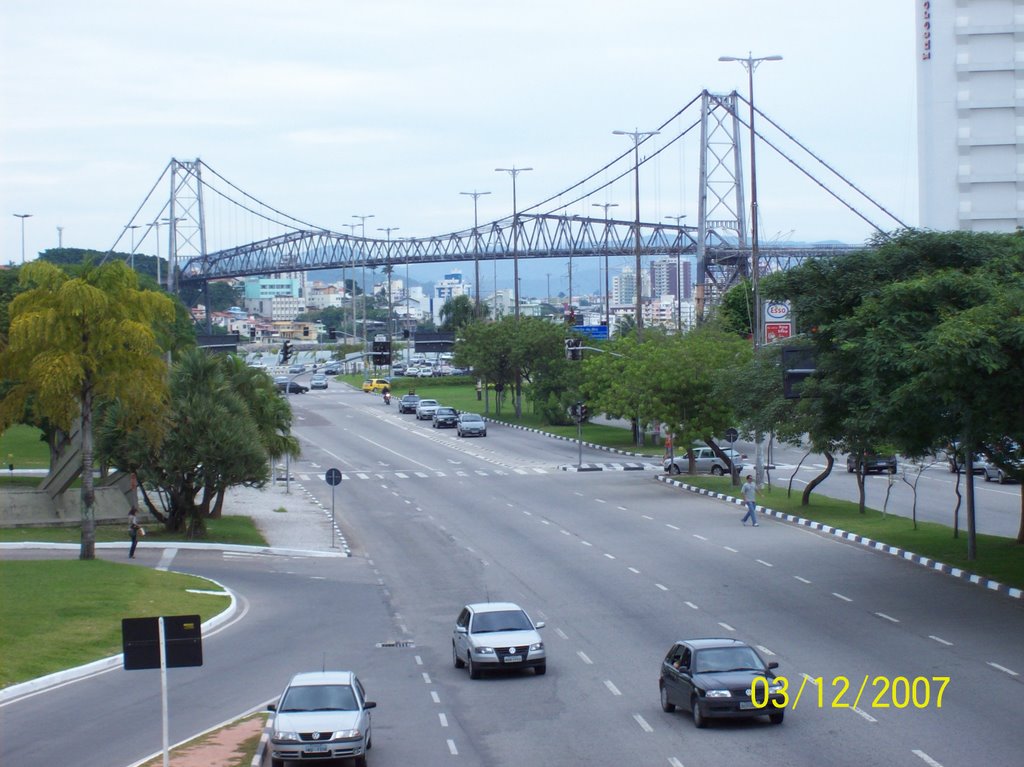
{"points": [[236, 547], [591, 445], [956, 572], [105, 664]]}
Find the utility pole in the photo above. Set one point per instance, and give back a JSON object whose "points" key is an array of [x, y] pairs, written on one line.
{"points": [[476, 248], [607, 279], [514, 172], [388, 269], [22, 216]]}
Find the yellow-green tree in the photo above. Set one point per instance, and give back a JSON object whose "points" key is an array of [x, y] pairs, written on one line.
{"points": [[79, 340]]}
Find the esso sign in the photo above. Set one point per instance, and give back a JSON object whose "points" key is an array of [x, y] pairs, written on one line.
{"points": [[774, 311]]}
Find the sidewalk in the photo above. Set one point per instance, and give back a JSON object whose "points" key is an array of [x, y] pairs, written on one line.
{"points": [[288, 520]]}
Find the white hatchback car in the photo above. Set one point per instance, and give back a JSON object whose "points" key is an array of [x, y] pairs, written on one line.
{"points": [[425, 409], [497, 635], [321, 715]]}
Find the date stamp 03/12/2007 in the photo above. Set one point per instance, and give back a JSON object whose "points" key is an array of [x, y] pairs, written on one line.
{"points": [[881, 692]]}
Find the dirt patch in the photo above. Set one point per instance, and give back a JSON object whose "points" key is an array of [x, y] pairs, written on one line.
{"points": [[231, 746]]}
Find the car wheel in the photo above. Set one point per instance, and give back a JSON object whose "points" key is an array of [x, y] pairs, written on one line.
{"points": [[698, 717], [369, 739], [673, 468], [717, 471], [987, 477], [456, 660], [474, 670], [777, 717], [541, 670], [849, 468], [666, 706], [484, 434], [361, 761]]}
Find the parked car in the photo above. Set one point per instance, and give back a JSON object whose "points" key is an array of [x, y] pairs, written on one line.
{"points": [[957, 465], [296, 368], [444, 417], [496, 635], [425, 409], [376, 385], [715, 679], [408, 403], [398, 368], [871, 463], [318, 381], [471, 425], [285, 384], [706, 460], [321, 715], [1009, 453]]}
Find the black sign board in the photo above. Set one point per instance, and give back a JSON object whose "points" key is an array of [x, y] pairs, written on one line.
{"points": [[183, 637], [434, 342]]}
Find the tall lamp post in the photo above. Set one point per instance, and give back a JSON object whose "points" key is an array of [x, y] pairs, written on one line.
{"points": [[476, 247], [514, 172], [132, 228], [388, 269], [750, 63], [637, 136], [22, 216], [60, 237], [362, 223], [344, 281], [607, 279], [679, 279]]}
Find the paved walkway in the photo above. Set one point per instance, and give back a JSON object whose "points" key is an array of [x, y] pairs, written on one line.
{"points": [[288, 520]]}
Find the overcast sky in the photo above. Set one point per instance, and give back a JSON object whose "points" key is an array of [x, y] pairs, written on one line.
{"points": [[325, 109]]}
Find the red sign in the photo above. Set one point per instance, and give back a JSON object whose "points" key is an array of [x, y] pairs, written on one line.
{"points": [[775, 331]]}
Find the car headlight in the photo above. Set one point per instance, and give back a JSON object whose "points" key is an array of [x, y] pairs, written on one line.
{"points": [[536, 646], [775, 688], [286, 737], [718, 694], [347, 735], [484, 651]]}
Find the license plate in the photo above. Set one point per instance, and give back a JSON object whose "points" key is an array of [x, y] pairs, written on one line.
{"points": [[746, 705], [318, 749], [514, 659]]}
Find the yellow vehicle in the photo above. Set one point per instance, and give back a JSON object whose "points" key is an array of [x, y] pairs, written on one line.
{"points": [[376, 385]]}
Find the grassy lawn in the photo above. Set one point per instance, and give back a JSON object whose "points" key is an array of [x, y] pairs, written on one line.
{"points": [[998, 558], [20, 445], [87, 600], [236, 530]]}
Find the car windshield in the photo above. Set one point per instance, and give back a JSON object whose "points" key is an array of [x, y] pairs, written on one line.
{"points": [[446, 411], [325, 697], [719, 659], [428, 402], [471, 417], [504, 620]]}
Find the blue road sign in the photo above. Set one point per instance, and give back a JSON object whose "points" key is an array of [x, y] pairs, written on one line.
{"points": [[597, 332]]}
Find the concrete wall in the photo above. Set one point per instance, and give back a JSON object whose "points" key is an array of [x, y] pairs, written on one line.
{"points": [[22, 507]]}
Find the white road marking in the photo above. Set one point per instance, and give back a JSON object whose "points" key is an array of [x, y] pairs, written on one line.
{"points": [[600, 500], [940, 640], [545, 522], [764, 649], [662, 587], [802, 580], [726, 626], [622, 508], [443, 719], [700, 537], [565, 532], [691, 605], [521, 471], [584, 658], [1004, 669], [610, 556], [578, 493], [730, 548], [361, 475], [645, 516], [451, 748], [673, 762], [864, 714], [887, 617], [527, 513], [435, 697], [837, 595], [925, 758], [419, 660], [671, 527], [766, 564], [401, 475], [426, 677], [586, 543], [420, 474], [561, 633], [633, 570], [643, 723], [611, 687]]}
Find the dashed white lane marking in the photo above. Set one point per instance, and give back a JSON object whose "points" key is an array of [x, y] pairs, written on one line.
{"points": [[699, 537], [435, 697], [611, 687], [940, 640], [577, 492], [527, 513], [540, 471], [419, 660], [565, 532], [766, 564], [645, 516], [610, 556], [673, 762], [362, 476], [600, 500], [421, 474], [887, 617], [643, 723], [545, 522], [1004, 669], [521, 471], [443, 719], [925, 758], [863, 714], [837, 595], [661, 586], [561, 633], [730, 548], [633, 570], [802, 580], [691, 605], [671, 527], [401, 475], [726, 626], [764, 649], [622, 508], [586, 543], [451, 748], [584, 658], [481, 473], [426, 677]]}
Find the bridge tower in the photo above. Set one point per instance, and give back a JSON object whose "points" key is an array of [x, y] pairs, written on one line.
{"points": [[722, 218], [187, 237]]}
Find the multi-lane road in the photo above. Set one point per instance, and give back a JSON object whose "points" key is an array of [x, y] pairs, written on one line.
{"points": [[618, 565]]}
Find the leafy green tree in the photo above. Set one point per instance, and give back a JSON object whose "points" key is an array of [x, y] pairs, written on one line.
{"points": [[490, 349], [458, 312], [76, 341]]}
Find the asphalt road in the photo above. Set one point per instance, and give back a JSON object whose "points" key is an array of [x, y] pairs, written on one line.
{"points": [[618, 565]]}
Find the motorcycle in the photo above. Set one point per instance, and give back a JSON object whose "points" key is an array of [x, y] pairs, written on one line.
{"points": [[387, 398]]}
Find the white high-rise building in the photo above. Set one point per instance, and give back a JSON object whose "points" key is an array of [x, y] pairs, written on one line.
{"points": [[970, 97]]}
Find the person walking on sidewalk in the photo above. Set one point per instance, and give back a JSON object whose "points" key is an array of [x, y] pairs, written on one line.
{"points": [[749, 491], [134, 529]]}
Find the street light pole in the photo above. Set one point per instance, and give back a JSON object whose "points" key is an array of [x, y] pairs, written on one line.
{"points": [[637, 136], [22, 216], [344, 282], [388, 269], [132, 228], [60, 237], [607, 279], [476, 248], [362, 223], [679, 279], [514, 172], [750, 63]]}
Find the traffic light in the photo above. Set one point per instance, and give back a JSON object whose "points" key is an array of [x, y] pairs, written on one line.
{"points": [[583, 411], [573, 350], [381, 353], [286, 352], [798, 364], [333, 333]]}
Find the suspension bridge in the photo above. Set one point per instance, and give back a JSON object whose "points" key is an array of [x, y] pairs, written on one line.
{"points": [[719, 240]]}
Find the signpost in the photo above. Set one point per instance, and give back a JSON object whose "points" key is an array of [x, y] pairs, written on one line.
{"points": [[731, 435], [333, 478]]}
